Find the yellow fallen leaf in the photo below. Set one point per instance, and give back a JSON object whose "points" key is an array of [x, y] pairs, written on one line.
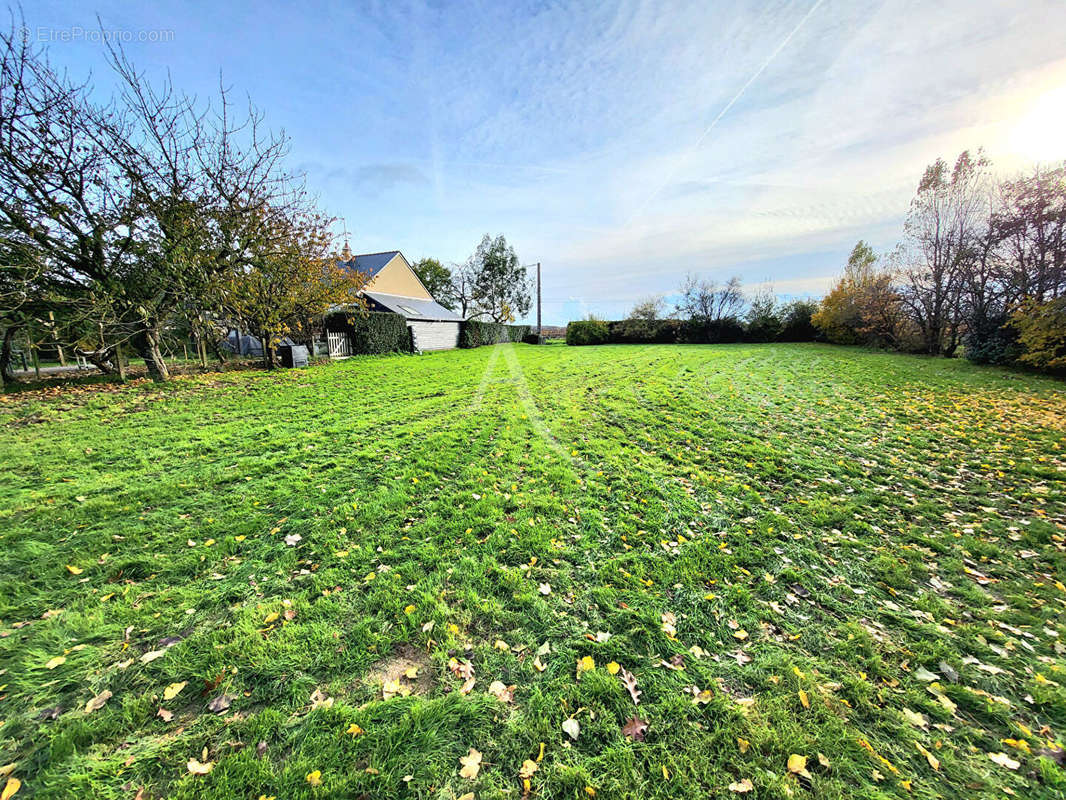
{"points": [[585, 664], [55, 662], [174, 690], [529, 766], [471, 764], [355, 730], [12, 786], [410, 609], [806, 701], [198, 768], [666, 773], [74, 570], [743, 744], [314, 778], [271, 617], [740, 635], [741, 787], [411, 673], [613, 667], [797, 764], [1018, 744], [934, 762]]}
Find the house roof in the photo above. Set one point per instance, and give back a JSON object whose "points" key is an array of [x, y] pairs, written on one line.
{"points": [[414, 307], [370, 264]]}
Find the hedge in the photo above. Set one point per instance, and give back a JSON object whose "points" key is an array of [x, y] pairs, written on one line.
{"points": [[587, 331], [475, 333], [374, 331], [664, 331]]}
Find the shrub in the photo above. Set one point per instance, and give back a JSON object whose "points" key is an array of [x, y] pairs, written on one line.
{"points": [[476, 332], [1042, 333], [763, 320], [373, 331], [587, 331], [992, 341], [712, 331], [796, 324], [637, 331]]}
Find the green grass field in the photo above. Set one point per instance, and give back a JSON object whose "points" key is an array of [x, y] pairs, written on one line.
{"points": [[794, 551]]}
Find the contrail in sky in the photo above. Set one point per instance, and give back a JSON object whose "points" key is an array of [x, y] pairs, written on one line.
{"points": [[725, 110]]}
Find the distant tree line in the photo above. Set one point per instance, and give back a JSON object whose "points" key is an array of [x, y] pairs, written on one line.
{"points": [[981, 272], [148, 215], [706, 312]]}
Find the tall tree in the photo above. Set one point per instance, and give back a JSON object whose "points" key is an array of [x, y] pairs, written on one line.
{"points": [[437, 279], [942, 232], [500, 285]]}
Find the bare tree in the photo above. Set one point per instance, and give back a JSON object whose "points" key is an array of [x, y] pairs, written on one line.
{"points": [[942, 232], [706, 301], [649, 309]]}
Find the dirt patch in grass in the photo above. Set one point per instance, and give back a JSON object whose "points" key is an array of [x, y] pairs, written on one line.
{"points": [[404, 661]]}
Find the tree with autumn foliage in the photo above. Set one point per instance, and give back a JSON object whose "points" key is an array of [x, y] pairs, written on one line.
{"points": [[864, 306], [292, 277]]}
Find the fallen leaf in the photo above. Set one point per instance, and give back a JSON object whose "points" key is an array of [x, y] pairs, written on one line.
{"points": [[260, 749], [923, 674], [152, 655], [572, 728], [471, 764], [740, 787], [355, 730], [914, 718], [629, 680], [74, 570], [98, 702], [797, 764], [743, 744], [220, 703], [293, 539], [529, 766], [314, 777], [804, 699], [740, 635], [55, 662], [165, 715], [12, 786], [934, 762], [271, 617], [612, 668], [501, 691], [174, 690], [197, 768], [1004, 760], [635, 728], [545, 588]]}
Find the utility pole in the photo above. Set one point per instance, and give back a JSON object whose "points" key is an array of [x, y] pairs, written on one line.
{"points": [[539, 331]]}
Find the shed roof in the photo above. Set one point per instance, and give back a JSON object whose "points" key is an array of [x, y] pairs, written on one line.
{"points": [[414, 307]]}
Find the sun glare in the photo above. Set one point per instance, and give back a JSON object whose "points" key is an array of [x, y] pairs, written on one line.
{"points": [[1040, 134]]}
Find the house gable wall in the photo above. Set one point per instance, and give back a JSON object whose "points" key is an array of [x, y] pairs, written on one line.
{"points": [[397, 277]]}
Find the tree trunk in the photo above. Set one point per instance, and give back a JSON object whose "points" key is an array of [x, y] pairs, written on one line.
{"points": [[147, 343], [120, 362], [6, 375]]}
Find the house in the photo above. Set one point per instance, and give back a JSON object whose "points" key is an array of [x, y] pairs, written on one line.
{"points": [[392, 285]]}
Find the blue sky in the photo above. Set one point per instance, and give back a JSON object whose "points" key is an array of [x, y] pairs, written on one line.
{"points": [[620, 144]]}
